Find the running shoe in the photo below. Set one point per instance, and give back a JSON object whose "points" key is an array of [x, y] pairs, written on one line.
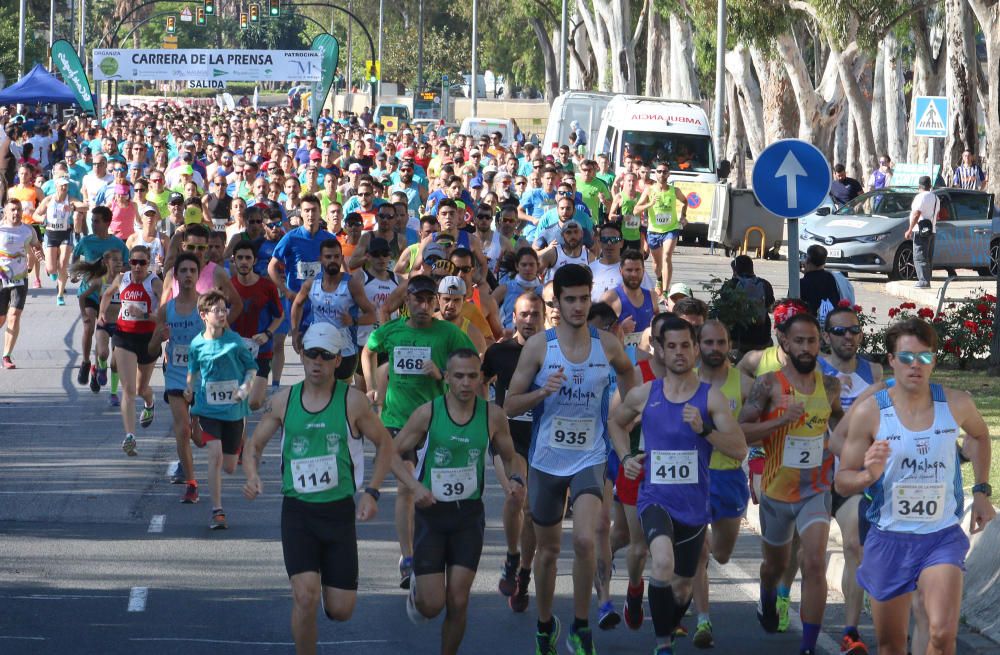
{"points": [[405, 571], [851, 644], [128, 445], [519, 600], [8, 363], [146, 418], [61, 301], [412, 613], [680, 631], [53, 276], [633, 609], [580, 642], [783, 621], [37, 284], [608, 618], [768, 617], [113, 400], [703, 636], [218, 521], [190, 496], [102, 376], [95, 384], [545, 642], [177, 474], [83, 377], [508, 578]]}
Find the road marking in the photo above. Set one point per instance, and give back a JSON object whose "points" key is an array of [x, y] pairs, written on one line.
{"points": [[58, 596], [261, 643], [22, 638], [137, 599], [156, 523]]}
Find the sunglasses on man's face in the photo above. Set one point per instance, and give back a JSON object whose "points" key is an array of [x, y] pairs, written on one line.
{"points": [[841, 331], [610, 240], [139, 262], [195, 247], [314, 353], [906, 357]]}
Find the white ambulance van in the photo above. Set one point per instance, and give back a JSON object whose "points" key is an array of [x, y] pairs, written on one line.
{"points": [[583, 107]]}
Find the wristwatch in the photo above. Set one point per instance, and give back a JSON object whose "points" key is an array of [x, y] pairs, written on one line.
{"points": [[373, 492], [705, 431], [517, 478], [983, 488], [270, 335]]}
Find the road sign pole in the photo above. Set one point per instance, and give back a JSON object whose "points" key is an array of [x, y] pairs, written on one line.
{"points": [[793, 257]]}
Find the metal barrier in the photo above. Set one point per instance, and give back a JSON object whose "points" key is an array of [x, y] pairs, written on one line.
{"points": [[943, 298], [761, 247]]}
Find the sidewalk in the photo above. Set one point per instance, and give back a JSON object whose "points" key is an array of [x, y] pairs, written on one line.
{"points": [[958, 290]]}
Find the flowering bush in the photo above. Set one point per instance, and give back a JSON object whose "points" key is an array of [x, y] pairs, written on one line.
{"points": [[964, 329]]}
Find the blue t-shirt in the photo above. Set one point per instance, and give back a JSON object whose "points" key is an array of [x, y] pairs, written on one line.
{"points": [[221, 365], [298, 251]]}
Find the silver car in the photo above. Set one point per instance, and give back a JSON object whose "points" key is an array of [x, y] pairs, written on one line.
{"points": [[866, 234]]}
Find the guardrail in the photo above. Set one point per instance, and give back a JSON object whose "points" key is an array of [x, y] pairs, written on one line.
{"points": [[943, 298]]}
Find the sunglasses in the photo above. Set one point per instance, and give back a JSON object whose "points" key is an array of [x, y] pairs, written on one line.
{"points": [[841, 331], [906, 358], [195, 247], [273, 226], [139, 262], [566, 194], [463, 269], [611, 239], [319, 353], [509, 221], [551, 304], [141, 188]]}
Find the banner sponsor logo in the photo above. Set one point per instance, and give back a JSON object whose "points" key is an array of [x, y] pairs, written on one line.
{"points": [[190, 64]]}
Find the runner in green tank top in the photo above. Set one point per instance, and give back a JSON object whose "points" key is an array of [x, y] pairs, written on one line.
{"points": [[660, 200], [454, 434], [323, 422], [624, 206], [729, 490]]}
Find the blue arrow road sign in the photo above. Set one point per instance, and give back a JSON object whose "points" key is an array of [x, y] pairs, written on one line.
{"points": [[791, 178]]}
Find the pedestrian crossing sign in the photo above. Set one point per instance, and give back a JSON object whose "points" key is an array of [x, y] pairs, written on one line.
{"points": [[930, 116]]}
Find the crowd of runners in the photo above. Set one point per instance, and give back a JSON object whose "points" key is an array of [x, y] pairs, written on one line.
{"points": [[466, 304]]}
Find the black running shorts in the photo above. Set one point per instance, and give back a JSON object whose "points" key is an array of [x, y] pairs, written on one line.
{"points": [[686, 539], [448, 534], [321, 537]]}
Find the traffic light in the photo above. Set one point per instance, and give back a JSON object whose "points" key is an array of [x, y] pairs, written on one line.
{"points": [[254, 13], [171, 24], [209, 7], [200, 17], [273, 8], [244, 20]]}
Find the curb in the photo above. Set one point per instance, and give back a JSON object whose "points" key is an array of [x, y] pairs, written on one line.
{"points": [[979, 629]]}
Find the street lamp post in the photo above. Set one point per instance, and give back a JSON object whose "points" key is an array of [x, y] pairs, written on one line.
{"points": [[720, 75], [563, 43], [420, 46], [381, 16], [20, 39], [473, 83]]}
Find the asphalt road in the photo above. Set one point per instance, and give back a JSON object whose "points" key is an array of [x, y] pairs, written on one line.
{"points": [[98, 556]]}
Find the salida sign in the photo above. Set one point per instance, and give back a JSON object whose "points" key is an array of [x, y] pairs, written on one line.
{"points": [[206, 84]]}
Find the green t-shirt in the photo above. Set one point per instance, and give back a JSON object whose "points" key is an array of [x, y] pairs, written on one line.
{"points": [[631, 223], [663, 213], [608, 178], [453, 462], [407, 348], [321, 460], [590, 192]]}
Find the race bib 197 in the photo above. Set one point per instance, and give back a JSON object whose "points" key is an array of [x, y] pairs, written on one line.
{"points": [[450, 484], [409, 360], [314, 474], [221, 393]]}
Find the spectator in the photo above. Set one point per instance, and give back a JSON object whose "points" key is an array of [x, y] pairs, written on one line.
{"points": [[844, 189], [922, 229], [969, 175], [881, 177], [818, 287], [759, 291]]}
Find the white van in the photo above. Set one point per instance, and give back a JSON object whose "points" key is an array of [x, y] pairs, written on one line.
{"points": [[477, 127], [657, 129], [584, 107]]}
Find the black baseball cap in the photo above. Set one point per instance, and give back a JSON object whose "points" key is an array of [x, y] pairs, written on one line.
{"points": [[175, 199], [378, 245], [421, 284]]}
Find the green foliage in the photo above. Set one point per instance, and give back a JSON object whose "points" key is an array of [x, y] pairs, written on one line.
{"points": [[730, 304], [35, 49]]}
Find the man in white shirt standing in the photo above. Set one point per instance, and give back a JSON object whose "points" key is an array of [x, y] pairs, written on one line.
{"points": [[923, 226]]}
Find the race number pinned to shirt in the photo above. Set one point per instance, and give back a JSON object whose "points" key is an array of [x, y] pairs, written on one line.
{"points": [[179, 356], [222, 392], [802, 452], [134, 310], [674, 466], [314, 474], [917, 501], [409, 360], [306, 270], [450, 484], [572, 433], [252, 346], [632, 222]]}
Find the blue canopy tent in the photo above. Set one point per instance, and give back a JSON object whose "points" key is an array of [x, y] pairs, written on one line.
{"points": [[38, 86]]}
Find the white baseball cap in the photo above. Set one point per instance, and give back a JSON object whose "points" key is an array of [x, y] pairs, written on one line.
{"points": [[452, 285], [325, 336]]}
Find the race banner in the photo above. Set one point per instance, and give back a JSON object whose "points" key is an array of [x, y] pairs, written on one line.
{"points": [[223, 65], [64, 58], [328, 48]]}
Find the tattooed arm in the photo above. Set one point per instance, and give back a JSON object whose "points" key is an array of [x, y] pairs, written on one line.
{"points": [[832, 386], [758, 404]]}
